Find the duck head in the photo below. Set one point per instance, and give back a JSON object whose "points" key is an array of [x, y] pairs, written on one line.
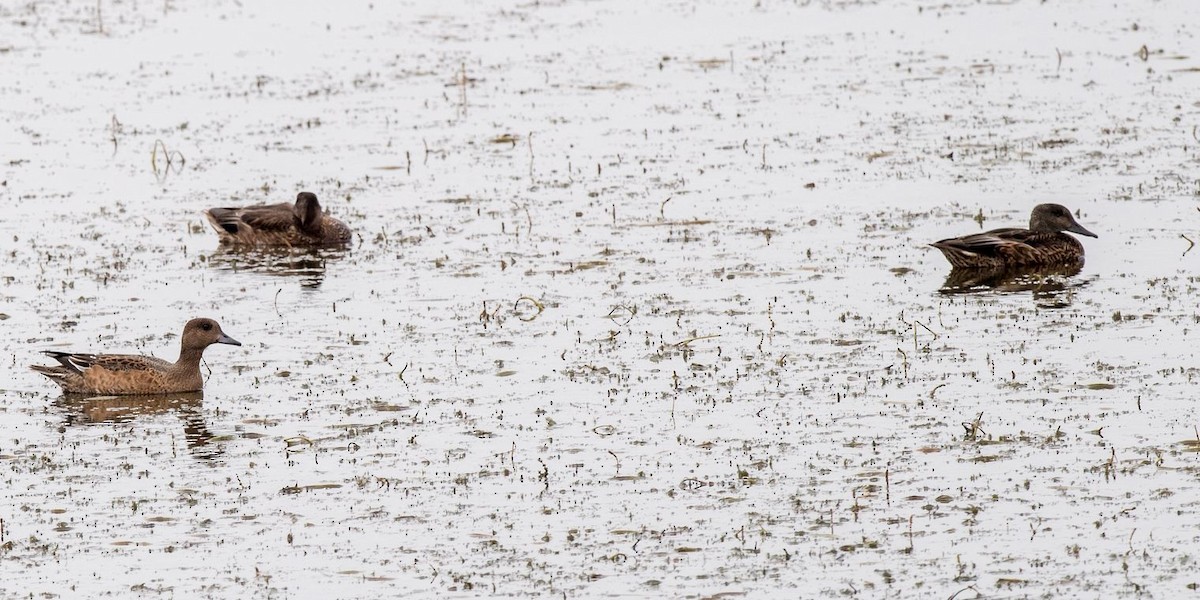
{"points": [[307, 210], [199, 334], [1055, 217]]}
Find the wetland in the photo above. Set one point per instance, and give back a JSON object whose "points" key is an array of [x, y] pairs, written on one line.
{"points": [[640, 301]]}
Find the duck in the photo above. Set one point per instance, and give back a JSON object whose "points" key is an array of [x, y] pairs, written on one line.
{"points": [[128, 374], [301, 224], [1044, 243]]}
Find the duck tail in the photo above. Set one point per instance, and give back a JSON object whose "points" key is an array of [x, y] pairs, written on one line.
{"points": [[954, 254], [223, 220], [58, 374]]}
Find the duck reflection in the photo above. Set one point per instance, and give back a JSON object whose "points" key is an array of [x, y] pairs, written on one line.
{"points": [[1050, 285], [81, 410], [306, 263]]}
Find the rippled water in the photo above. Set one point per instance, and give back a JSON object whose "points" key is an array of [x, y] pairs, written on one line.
{"points": [[640, 302]]}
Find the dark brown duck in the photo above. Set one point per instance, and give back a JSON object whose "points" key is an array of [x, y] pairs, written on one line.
{"points": [[1044, 243], [117, 374], [301, 224]]}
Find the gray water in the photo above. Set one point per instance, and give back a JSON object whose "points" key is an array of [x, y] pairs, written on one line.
{"points": [[640, 302]]}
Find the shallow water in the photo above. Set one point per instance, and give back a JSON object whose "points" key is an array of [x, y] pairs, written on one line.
{"points": [[640, 302]]}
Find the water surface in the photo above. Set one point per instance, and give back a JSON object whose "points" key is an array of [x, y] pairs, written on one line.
{"points": [[640, 302]]}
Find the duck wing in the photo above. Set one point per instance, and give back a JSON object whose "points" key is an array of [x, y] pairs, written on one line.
{"points": [[997, 243], [268, 217], [1010, 247], [78, 363]]}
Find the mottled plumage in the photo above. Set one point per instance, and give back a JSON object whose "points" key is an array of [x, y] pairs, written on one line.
{"points": [[301, 224], [132, 374], [1044, 243]]}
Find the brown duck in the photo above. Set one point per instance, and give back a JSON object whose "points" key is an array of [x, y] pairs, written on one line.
{"points": [[1044, 243], [113, 374], [301, 224]]}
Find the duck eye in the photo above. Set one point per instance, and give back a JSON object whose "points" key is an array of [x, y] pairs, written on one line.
{"points": [[206, 327]]}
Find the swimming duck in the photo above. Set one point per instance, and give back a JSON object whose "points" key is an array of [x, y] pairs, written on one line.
{"points": [[301, 224], [1044, 243], [119, 374]]}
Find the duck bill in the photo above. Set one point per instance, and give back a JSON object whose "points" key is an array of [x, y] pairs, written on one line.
{"points": [[1077, 228], [224, 339]]}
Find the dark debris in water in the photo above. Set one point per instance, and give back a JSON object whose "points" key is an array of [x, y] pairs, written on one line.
{"points": [[613, 321]]}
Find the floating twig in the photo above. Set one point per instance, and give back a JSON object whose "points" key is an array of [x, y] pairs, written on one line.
{"points": [[169, 156], [629, 311], [529, 140], [537, 304], [955, 594], [975, 427], [115, 128], [462, 88], [683, 343], [926, 328], [291, 443]]}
